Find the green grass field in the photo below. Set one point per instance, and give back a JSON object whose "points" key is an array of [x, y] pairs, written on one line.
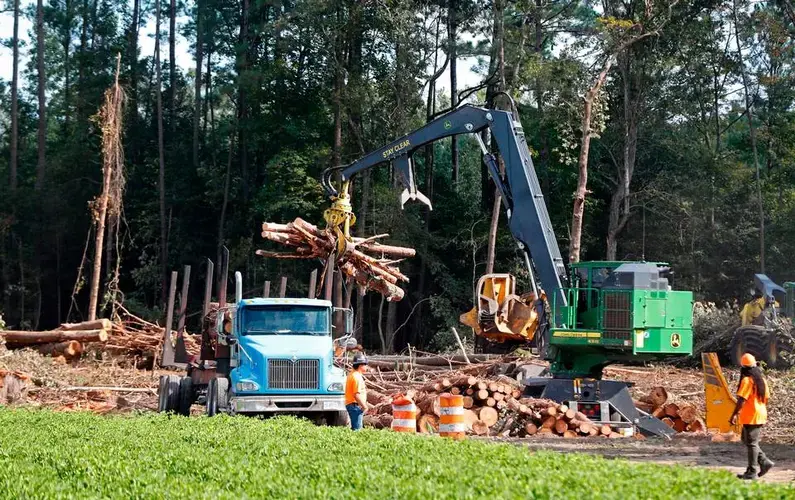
{"points": [[80, 455]]}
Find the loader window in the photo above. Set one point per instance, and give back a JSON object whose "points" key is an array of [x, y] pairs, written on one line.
{"points": [[286, 320]]}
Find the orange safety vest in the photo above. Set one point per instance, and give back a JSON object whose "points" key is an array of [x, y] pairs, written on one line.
{"points": [[354, 384], [754, 410]]}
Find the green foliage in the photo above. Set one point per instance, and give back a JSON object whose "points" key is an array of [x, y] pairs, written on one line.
{"points": [[87, 456]]}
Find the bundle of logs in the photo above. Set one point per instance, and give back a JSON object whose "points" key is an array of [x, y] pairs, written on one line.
{"points": [[681, 417], [494, 406], [65, 343], [368, 263], [129, 335]]}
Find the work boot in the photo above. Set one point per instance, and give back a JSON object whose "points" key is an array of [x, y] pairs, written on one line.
{"points": [[765, 467], [748, 476]]}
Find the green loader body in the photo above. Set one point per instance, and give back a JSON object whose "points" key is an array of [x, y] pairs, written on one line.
{"points": [[618, 312]]}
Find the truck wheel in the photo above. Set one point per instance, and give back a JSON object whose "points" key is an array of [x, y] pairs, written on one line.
{"points": [[168, 394], [757, 340], [185, 395], [217, 396], [338, 419]]}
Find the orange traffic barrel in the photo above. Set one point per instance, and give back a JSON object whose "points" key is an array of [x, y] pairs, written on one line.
{"points": [[451, 418], [404, 415]]}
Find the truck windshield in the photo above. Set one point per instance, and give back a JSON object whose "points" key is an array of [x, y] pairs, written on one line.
{"points": [[286, 320]]}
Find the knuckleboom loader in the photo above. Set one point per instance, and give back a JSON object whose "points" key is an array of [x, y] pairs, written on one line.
{"points": [[260, 356], [591, 314]]}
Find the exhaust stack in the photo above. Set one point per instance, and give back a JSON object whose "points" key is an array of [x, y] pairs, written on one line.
{"points": [[238, 287]]}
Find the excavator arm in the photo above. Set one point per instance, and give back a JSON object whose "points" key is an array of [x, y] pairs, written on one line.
{"points": [[528, 218]]}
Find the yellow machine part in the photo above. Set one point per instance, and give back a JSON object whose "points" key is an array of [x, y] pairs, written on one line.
{"points": [[719, 400], [499, 314]]}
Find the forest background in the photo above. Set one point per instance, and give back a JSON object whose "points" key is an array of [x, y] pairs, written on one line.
{"points": [[682, 112]]}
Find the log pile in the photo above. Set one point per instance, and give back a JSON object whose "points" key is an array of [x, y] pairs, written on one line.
{"points": [[66, 343], [135, 336], [682, 417], [367, 262], [492, 407]]}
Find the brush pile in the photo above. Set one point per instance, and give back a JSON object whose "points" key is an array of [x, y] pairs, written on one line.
{"points": [[368, 263]]}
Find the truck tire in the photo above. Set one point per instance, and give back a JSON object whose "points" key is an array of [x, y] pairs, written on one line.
{"points": [[217, 396], [757, 340], [168, 394], [338, 419], [185, 396]]}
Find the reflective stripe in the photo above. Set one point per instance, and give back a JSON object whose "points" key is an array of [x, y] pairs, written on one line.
{"points": [[410, 407], [452, 428], [451, 410], [404, 425]]}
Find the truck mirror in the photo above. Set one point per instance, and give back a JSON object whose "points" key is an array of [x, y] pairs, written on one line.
{"points": [[348, 316]]}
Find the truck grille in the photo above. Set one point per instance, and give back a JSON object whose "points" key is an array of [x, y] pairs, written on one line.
{"points": [[289, 374]]}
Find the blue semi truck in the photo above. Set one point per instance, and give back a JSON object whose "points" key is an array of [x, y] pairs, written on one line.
{"points": [[262, 356]]}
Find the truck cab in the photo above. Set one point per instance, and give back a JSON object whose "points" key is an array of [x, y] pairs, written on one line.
{"points": [[262, 356], [282, 358]]}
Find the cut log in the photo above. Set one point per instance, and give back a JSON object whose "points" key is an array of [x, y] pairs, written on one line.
{"points": [[680, 425], [569, 434], [498, 396], [530, 429], [70, 349], [658, 412], [374, 397], [469, 391], [480, 428], [99, 324], [671, 410], [615, 435], [549, 422], [466, 381], [585, 428], [545, 431], [582, 417], [688, 413], [482, 386], [561, 426], [549, 411], [570, 414], [468, 402], [482, 394], [430, 404], [643, 406], [605, 430], [428, 424], [563, 409], [657, 397], [668, 421], [470, 417], [455, 391], [15, 339], [490, 402], [492, 387], [488, 415], [594, 431], [500, 405], [516, 393], [696, 425]]}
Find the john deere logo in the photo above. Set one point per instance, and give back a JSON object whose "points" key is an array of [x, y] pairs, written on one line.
{"points": [[447, 125], [676, 340]]}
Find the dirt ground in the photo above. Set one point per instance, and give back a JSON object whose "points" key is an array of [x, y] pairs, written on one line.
{"points": [[81, 386], [698, 452]]}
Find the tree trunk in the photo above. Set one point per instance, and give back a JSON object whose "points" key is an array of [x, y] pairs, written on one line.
{"points": [[14, 102], [42, 81], [225, 203], [197, 108], [242, 97], [132, 94], [66, 43], [749, 105], [172, 65], [161, 161], [498, 64], [582, 162], [619, 202], [452, 48]]}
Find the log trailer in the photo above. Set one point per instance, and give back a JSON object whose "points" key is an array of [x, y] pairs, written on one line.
{"points": [[259, 356], [596, 313]]}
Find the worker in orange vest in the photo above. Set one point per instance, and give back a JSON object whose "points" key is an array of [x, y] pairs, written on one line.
{"points": [[752, 395], [356, 392]]}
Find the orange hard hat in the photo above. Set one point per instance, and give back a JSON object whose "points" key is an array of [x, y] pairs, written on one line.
{"points": [[748, 359]]}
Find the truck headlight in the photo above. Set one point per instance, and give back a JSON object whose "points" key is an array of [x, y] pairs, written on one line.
{"points": [[335, 387], [246, 386]]}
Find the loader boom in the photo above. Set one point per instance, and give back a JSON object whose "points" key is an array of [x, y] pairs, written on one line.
{"points": [[528, 218]]}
